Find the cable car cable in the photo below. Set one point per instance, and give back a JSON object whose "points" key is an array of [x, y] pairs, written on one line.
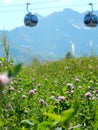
{"points": [[69, 5], [34, 3], [48, 7]]}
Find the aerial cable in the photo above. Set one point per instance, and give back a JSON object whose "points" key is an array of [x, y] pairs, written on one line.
{"points": [[12, 5], [37, 8], [34, 3]]}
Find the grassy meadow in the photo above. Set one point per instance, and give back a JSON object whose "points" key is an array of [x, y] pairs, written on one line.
{"points": [[58, 95]]}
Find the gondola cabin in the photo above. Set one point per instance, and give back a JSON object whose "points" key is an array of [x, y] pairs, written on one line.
{"points": [[30, 20], [90, 20]]}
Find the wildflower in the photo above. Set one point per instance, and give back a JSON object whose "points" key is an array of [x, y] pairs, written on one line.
{"points": [[77, 80], [89, 87], [11, 82], [41, 101], [11, 88], [46, 79], [1, 64], [31, 92], [19, 79], [88, 95], [53, 92], [66, 68], [96, 91], [79, 87], [23, 96], [61, 98], [35, 89], [94, 98], [11, 63], [72, 91], [21, 89], [70, 85], [15, 82], [39, 85], [55, 81], [52, 97], [67, 92], [91, 81], [9, 106], [26, 111], [4, 91], [4, 80]]}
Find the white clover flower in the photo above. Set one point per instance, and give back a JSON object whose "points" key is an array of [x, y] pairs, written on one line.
{"points": [[72, 91], [70, 85], [4, 80], [91, 81], [41, 101], [96, 91], [77, 80], [23, 96], [79, 87], [88, 95], [39, 85], [35, 89], [31, 92], [19, 79], [89, 87], [9, 106], [61, 98], [52, 97], [67, 92], [94, 98], [21, 89], [11, 88], [1, 64]]}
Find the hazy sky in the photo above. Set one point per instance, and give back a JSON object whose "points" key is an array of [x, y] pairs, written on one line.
{"points": [[12, 12]]}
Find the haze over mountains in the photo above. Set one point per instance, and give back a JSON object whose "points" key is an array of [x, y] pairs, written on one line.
{"points": [[53, 37]]}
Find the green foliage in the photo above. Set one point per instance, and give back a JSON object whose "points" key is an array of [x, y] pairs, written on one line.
{"points": [[65, 117], [2, 59], [35, 62], [96, 117], [5, 47], [15, 71], [6, 60], [61, 86], [69, 55]]}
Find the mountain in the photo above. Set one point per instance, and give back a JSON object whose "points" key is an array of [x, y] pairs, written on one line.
{"points": [[53, 37]]}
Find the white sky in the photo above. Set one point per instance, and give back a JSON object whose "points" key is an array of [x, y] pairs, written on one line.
{"points": [[12, 12]]}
